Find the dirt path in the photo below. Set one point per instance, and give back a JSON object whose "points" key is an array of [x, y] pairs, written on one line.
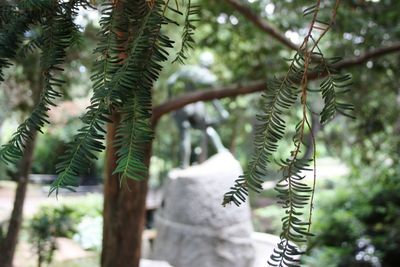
{"points": [[37, 196]]}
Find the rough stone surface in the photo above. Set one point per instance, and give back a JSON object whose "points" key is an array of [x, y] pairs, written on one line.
{"points": [[194, 229]]}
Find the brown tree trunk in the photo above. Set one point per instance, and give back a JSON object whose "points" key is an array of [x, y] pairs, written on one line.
{"points": [[124, 211], [8, 245]]}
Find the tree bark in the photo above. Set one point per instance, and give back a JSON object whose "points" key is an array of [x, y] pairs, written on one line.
{"points": [[8, 245], [124, 210]]}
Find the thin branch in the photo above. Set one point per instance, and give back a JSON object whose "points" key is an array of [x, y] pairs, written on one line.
{"points": [[377, 52], [206, 95], [257, 86], [262, 24], [274, 32]]}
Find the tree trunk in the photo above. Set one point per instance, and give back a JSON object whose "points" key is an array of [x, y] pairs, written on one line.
{"points": [[8, 245], [124, 211]]}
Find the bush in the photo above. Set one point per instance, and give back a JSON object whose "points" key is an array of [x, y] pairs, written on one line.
{"points": [[358, 224], [42, 237], [62, 221]]}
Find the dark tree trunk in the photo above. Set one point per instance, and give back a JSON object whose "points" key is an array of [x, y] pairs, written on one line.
{"points": [[124, 211], [8, 245]]}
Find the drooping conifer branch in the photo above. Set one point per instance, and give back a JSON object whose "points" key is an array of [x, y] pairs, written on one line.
{"points": [[127, 70], [57, 32], [189, 27], [135, 130], [294, 194]]}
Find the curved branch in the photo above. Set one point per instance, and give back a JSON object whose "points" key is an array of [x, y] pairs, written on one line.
{"points": [[377, 52], [206, 95], [262, 24], [257, 86], [274, 32]]}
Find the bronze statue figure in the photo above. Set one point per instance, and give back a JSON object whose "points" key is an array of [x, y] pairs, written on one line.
{"points": [[195, 115]]}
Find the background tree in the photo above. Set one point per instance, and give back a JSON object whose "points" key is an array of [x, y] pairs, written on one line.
{"points": [[24, 90], [9, 242]]}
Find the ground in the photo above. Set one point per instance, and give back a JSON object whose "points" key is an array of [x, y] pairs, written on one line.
{"points": [[69, 253]]}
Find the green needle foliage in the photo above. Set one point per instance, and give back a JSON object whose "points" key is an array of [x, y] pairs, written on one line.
{"points": [[56, 37], [131, 50], [333, 87], [280, 96], [135, 129], [294, 195], [13, 25], [188, 31], [129, 55]]}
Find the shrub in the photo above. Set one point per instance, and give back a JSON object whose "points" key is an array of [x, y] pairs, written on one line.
{"points": [[60, 221], [358, 224]]}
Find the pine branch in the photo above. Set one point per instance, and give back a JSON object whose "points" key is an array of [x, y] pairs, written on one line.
{"points": [[82, 150], [295, 195], [281, 95], [89, 140], [57, 32], [11, 36], [122, 68], [135, 129], [332, 87], [192, 12]]}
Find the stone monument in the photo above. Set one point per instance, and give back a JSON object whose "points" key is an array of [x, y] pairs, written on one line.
{"points": [[193, 228]]}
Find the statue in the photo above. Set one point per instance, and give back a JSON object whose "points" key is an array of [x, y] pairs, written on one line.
{"points": [[195, 115]]}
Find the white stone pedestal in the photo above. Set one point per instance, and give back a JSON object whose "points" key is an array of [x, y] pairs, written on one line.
{"points": [[193, 228]]}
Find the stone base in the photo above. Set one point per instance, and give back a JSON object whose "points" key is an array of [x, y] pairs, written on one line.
{"points": [[194, 229]]}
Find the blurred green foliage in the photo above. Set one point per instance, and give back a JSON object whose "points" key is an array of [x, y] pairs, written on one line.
{"points": [[51, 145], [42, 239], [63, 220], [46, 225], [357, 221], [46, 152]]}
